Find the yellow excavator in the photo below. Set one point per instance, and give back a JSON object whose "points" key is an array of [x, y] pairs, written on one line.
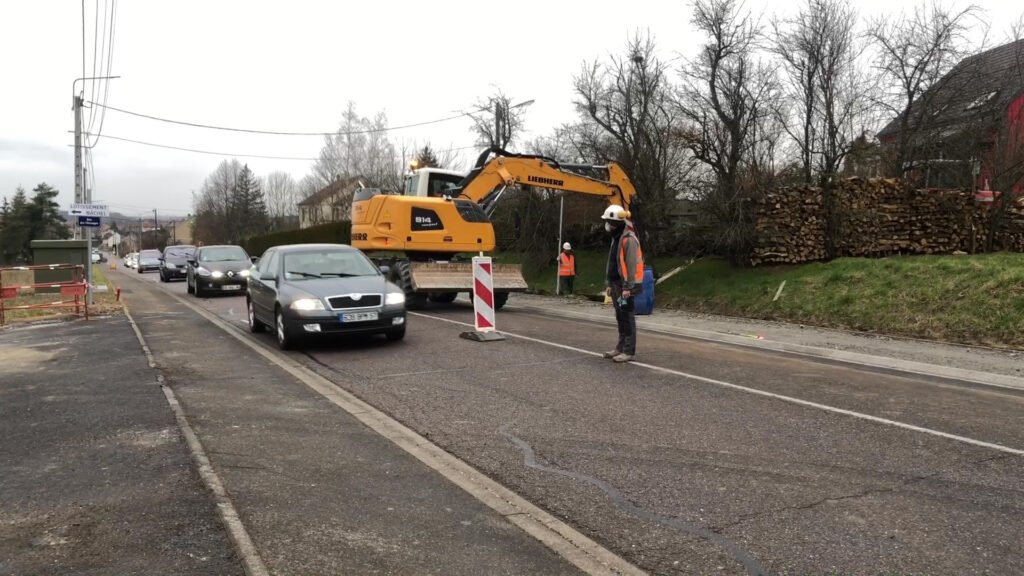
{"points": [[419, 234]]}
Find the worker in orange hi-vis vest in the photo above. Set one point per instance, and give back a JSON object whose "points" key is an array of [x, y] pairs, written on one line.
{"points": [[625, 279], [566, 269]]}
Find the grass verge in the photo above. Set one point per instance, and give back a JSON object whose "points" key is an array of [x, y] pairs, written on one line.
{"points": [[970, 299]]}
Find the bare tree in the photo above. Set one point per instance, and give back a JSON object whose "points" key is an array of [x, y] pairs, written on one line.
{"points": [[282, 198], [627, 117], [914, 52], [214, 204], [496, 121], [798, 43], [360, 148], [727, 97]]}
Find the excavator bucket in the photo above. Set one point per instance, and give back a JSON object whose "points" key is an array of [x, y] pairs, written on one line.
{"points": [[458, 277]]}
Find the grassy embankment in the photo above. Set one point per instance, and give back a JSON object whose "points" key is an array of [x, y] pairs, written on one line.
{"points": [[977, 299]]}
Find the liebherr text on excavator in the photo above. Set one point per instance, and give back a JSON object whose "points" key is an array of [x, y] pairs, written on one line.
{"points": [[420, 233]]}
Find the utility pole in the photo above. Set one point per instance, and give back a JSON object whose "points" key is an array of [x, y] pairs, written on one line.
{"points": [[78, 158]]}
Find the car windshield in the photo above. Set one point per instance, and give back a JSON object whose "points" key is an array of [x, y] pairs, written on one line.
{"points": [[223, 254], [149, 254], [179, 252], [327, 264]]}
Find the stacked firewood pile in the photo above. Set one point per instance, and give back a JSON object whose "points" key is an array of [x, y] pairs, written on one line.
{"points": [[877, 217], [789, 226]]}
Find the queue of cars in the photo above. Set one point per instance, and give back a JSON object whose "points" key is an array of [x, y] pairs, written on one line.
{"points": [[297, 291]]}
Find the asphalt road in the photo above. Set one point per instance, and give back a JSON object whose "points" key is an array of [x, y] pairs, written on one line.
{"points": [[95, 477], [681, 467]]}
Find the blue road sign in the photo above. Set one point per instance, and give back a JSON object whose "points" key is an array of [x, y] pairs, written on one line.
{"points": [[89, 221]]}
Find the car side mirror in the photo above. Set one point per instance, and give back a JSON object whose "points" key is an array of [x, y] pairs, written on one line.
{"points": [[191, 262], [385, 269], [255, 260]]}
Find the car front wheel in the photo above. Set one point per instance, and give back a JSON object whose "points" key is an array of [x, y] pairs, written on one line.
{"points": [[395, 334], [284, 339], [254, 324]]}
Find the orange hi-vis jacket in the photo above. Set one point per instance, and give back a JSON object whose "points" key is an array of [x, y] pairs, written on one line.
{"points": [[566, 264], [631, 259]]}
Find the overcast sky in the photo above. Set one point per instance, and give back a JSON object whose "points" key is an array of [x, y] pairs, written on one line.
{"points": [[293, 66]]}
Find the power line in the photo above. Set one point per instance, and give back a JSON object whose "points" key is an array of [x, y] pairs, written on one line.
{"points": [[103, 57], [207, 151], [106, 81], [278, 133], [210, 152], [95, 38]]}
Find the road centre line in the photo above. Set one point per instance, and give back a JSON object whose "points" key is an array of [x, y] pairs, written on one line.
{"points": [[764, 393]]}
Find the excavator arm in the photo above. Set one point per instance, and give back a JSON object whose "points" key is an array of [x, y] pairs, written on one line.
{"points": [[489, 180]]}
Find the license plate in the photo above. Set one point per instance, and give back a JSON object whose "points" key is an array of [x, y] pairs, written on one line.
{"points": [[231, 287], [358, 317]]}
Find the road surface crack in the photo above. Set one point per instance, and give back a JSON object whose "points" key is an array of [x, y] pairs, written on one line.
{"points": [[861, 494], [750, 564]]}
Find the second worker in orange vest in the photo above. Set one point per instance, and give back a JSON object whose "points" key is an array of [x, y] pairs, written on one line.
{"points": [[566, 269]]}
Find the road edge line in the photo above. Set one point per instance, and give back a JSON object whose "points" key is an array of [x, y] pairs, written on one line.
{"points": [[765, 393], [252, 563], [572, 545], [908, 367]]}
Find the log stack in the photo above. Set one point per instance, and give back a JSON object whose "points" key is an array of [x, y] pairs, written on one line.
{"points": [[789, 226], [872, 218]]}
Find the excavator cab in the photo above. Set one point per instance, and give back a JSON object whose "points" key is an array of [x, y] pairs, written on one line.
{"points": [[432, 182]]}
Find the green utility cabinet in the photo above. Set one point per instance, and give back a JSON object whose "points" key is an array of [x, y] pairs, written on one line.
{"points": [[58, 252]]}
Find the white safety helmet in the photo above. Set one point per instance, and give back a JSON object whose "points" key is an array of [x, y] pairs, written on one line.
{"points": [[566, 246], [615, 213]]}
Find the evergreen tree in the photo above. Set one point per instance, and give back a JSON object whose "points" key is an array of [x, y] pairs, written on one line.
{"points": [[5, 215], [45, 220], [15, 241], [426, 158], [248, 206]]}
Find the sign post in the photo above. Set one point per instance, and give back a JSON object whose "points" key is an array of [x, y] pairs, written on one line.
{"points": [[89, 216], [483, 302]]}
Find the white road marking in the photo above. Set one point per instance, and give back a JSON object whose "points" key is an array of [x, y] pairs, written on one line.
{"points": [[782, 397]]}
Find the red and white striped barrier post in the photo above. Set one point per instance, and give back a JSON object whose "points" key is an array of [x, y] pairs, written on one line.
{"points": [[483, 302]]}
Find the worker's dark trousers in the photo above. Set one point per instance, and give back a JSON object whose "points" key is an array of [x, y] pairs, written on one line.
{"points": [[567, 282], [626, 319]]}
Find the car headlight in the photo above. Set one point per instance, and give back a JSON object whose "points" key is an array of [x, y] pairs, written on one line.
{"points": [[216, 274], [394, 298], [244, 273], [169, 266], [307, 304]]}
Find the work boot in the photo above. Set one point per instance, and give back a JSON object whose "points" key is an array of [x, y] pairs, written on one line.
{"points": [[623, 358], [611, 354]]}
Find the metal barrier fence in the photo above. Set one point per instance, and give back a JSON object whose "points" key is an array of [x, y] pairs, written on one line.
{"points": [[72, 292]]}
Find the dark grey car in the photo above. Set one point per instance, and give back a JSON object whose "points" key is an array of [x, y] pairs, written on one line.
{"points": [[311, 289], [218, 270]]}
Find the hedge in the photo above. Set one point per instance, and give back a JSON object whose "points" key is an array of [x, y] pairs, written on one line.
{"points": [[332, 233]]}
